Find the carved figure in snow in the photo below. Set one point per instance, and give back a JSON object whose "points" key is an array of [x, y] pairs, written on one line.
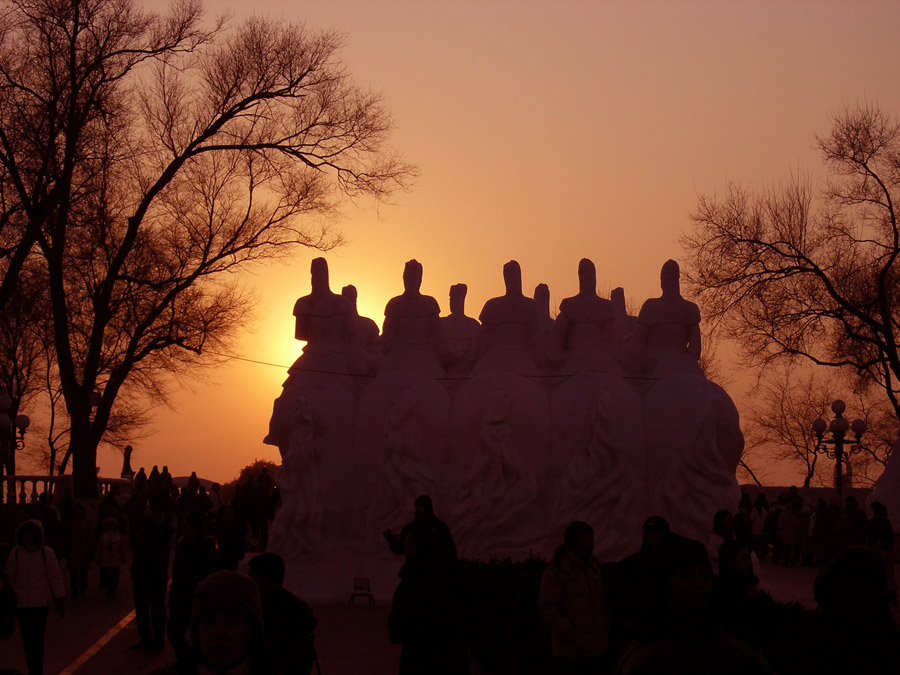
{"points": [[366, 329], [625, 323], [667, 335], [545, 354], [405, 471], [509, 329], [500, 487], [326, 322], [297, 522], [411, 336], [585, 327], [460, 331]]}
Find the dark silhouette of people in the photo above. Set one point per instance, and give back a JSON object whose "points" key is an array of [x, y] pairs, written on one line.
{"points": [[429, 525], [110, 556], [194, 560], [226, 626], [632, 592], [688, 639], [574, 606], [288, 621], [139, 482], [859, 637], [230, 538], [149, 574], [428, 611], [33, 572], [722, 531], [79, 550]]}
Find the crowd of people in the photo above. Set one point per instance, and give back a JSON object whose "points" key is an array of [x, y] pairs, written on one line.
{"points": [[158, 532], [675, 606]]}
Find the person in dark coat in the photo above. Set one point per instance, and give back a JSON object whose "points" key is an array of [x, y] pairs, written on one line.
{"points": [[859, 635], [427, 522], [289, 622], [194, 560], [574, 606], [632, 592], [149, 574], [79, 550], [428, 611], [231, 540], [690, 639]]}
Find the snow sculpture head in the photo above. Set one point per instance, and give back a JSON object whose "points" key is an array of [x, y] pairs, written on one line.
{"points": [[542, 298], [587, 276], [458, 298], [412, 276], [670, 278], [512, 277], [349, 292], [318, 270]]}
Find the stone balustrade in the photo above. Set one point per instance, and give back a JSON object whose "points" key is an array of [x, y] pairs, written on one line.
{"points": [[22, 489]]}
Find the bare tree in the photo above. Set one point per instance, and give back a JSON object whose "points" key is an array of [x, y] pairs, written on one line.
{"points": [[781, 411], [790, 273], [160, 158], [25, 332]]}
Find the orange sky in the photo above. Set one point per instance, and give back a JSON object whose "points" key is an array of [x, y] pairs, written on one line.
{"points": [[544, 132]]}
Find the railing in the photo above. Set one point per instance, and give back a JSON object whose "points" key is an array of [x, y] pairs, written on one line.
{"points": [[27, 489]]}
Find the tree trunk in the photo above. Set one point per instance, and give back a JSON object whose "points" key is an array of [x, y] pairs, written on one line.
{"points": [[84, 461]]}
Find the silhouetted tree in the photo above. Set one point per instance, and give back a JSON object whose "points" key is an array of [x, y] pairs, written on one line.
{"points": [[151, 157], [790, 273], [783, 407]]}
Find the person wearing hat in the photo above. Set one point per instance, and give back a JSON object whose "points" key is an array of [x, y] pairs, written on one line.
{"points": [[424, 521], [227, 634]]}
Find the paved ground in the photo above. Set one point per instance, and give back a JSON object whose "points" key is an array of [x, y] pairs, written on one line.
{"points": [[94, 635], [93, 638]]}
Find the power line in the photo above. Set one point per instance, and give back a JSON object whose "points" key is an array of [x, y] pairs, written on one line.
{"points": [[462, 377]]}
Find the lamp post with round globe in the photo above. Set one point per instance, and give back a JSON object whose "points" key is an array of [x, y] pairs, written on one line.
{"points": [[12, 438], [836, 447]]}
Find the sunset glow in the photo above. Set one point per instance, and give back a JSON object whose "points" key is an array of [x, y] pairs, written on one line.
{"points": [[544, 132]]}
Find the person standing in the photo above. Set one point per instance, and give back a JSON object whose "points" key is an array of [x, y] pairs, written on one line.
{"points": [[34, 575], [289, 622], [573, 605], [426, 522], [111, 556], [194, 560], [428, 610], [149, 574], [80, 549]]}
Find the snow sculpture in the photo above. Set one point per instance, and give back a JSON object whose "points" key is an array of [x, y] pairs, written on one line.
{"points": [[509, 337], [412, 333], [585, 327], [691, 425], [887, 487], [369, 338], [460, 332], [606, 418]]}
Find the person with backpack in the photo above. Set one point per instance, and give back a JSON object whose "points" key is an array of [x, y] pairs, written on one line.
{"points": [[33, 572]]}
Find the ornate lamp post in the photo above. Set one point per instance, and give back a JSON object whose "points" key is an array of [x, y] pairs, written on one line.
{"points": [[12, 438], [838, 428]]}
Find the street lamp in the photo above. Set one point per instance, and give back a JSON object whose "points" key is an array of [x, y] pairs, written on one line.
{"points": [[12, 438], [839, 427]]}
